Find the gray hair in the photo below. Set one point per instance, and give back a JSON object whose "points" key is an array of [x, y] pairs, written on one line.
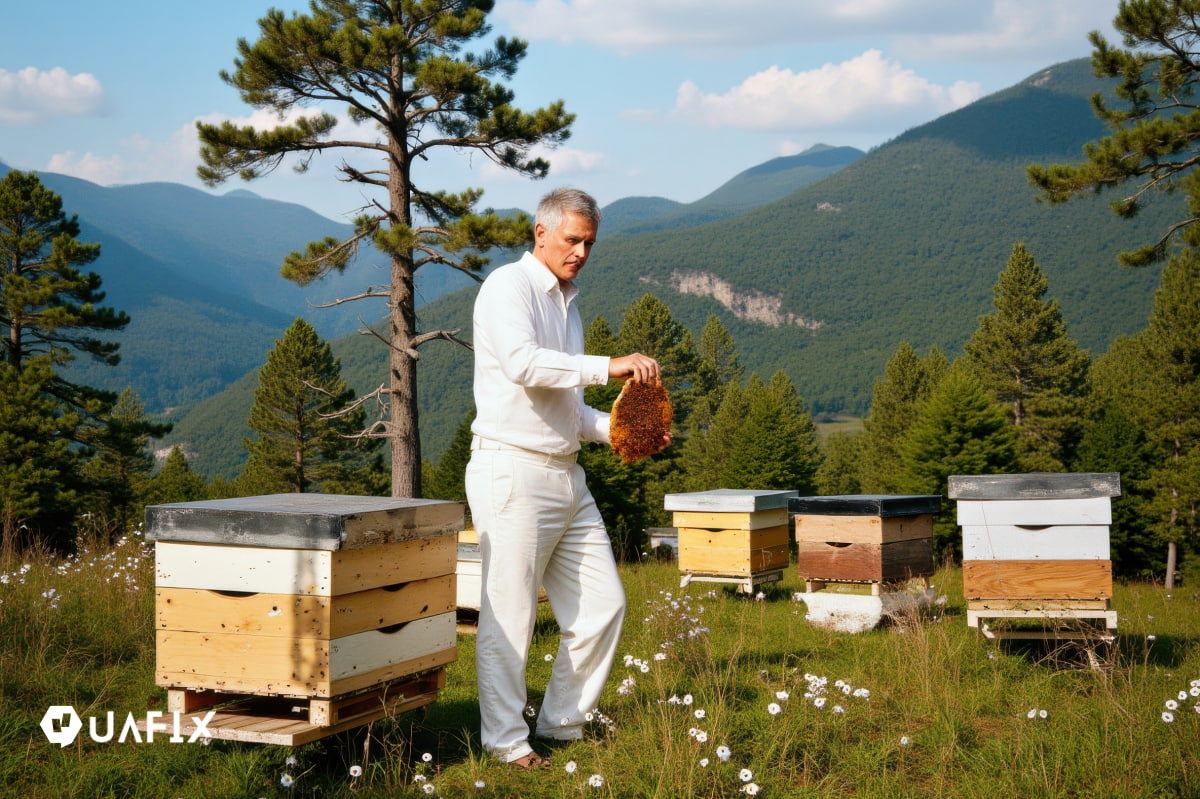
{"points": [[566, 201]]}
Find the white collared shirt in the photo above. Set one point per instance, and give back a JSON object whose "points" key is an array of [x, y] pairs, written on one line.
{"points": [[530, 369]]}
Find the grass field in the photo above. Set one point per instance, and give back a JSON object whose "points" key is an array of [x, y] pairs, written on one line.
{"points": [[716, 695]]}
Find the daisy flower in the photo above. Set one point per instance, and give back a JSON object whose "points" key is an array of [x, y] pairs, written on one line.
{"points": [[745, 775], [286, 780], [356, 771], [595, 780], [774, 709], [723, 753]]}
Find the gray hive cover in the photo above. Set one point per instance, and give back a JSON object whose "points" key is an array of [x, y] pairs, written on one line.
{"points": [[866, 505], [1036, 485], [301, 521], [728, 500]]}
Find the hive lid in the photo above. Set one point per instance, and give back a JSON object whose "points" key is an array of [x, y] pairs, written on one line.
{"points": [[728, 500], [866, 505], [1036, 485], [303, 521]]}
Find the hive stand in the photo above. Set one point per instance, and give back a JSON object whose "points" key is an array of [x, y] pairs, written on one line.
{"points": [[877, 541], [295, 616], [727, 535], [1036, 546]]}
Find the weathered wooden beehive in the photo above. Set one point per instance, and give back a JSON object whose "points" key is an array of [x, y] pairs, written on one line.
{"points": [[880, 541], [731, 535], [344, 603], [864, 538], [1037, 546]]}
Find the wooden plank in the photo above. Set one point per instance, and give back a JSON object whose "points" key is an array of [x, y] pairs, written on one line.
{"points": [[375, 702], [863, 529], [867, 505], [302, 616], [715, 520], [301, 571], [301, 667], [695, 539], [1037, 579], [275, 721], [303, 521], [1037, 485], [1035, 605], [734, 561], [728, 500], [1035, 512], [1054, 542], [901, 560]]}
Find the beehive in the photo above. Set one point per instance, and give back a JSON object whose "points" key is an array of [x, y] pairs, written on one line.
{"points": [[731, 535], [864, 538], [1036, 546], [307, 596]]}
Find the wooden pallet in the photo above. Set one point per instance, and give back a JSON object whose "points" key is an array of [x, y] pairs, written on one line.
{"points": [[1062, 619], [745, 583], [290, 722]]}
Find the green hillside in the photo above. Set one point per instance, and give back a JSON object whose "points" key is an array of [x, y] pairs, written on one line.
{"points": [[903, 244]]}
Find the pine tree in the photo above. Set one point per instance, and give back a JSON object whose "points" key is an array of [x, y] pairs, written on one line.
{"points": [[705, 453], [449, 480], [1022, 355], [649, 328], [49, 311], [1169, 399], [907, 382], [48, 306], [842, 456], [121, 464], [775, 446], [304, 442], [1114, 443], [175, 482], [38, 466], [959, 431], [399, 70], [1154, 130]]}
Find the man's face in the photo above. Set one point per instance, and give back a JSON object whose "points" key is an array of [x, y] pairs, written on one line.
{"points": [[565, 250]]}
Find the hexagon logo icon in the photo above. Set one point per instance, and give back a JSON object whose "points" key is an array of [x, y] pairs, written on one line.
{"points": [[61, 724]]}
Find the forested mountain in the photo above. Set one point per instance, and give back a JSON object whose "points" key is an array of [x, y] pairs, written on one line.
{"points": [[199, 276], [902, 244], [752, 188]]}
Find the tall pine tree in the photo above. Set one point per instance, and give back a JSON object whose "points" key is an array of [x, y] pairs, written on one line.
{"points": [[960, 430], [1021, 354], [400, 71], [1167, 393], [907, 383], [50, 311], [305, 442]]}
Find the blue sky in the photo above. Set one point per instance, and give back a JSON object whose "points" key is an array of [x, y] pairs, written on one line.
{"points": [[672, 97]]}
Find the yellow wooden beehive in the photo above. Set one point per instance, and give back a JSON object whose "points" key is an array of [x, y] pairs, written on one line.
{"points": [[309, 596], [730, 535]]}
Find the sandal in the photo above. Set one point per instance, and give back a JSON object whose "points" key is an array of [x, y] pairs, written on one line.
{"points": [[531, 762]]}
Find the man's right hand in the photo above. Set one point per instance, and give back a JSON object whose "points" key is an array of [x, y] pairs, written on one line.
{"points": [[635, 367]]}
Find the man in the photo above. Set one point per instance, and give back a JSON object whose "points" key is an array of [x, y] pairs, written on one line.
{"points": [[536, 520]]}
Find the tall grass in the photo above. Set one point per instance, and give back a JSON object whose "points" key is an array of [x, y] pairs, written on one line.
{"points": [[715, 695]]}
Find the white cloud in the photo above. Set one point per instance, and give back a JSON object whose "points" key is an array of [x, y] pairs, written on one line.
{"points": [[564, 162], [1047, 30], [141, 160], [630, 25], [866, 91], [31, 95]]}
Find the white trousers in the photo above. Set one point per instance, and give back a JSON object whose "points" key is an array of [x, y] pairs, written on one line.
{"points": [[539, 526]]}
